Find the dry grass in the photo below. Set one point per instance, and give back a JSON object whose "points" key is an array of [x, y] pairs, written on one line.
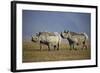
{"points": [[32, 53]]}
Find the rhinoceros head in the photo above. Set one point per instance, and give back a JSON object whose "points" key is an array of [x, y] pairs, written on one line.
{"points": [[65, 34], [35, 38]]}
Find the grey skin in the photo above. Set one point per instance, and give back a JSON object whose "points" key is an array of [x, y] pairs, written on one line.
{"points": [[47, 38], [75, 39]]}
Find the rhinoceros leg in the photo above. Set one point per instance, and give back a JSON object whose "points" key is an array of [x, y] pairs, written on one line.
{"points": [[70, 46], [75, 46], [55, 47], [58, 47], [49, 45], [84, 45], [40, 46]]}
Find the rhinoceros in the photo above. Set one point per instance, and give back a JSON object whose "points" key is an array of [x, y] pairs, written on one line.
{"points": [[75, 39], [51, 39]]}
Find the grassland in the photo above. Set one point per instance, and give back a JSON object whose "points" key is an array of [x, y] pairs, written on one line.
{"points": [[32, 53]]}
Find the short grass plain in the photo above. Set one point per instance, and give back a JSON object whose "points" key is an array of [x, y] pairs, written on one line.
{"points": [[31, 53]]}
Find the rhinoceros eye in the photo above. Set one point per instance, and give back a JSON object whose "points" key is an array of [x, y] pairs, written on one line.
{"points": [[36, 38]]}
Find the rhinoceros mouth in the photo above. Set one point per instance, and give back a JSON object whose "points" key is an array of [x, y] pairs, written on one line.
{"points": [[33, 40]]}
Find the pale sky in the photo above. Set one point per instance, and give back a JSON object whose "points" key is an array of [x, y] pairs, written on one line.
{"points": [[39, 21]]}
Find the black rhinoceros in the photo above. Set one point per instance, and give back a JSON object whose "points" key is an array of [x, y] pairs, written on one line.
{"points": [[75, 39], [51, 39]]}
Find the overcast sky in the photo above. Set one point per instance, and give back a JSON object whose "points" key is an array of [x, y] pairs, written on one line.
{"points": [[36, 21]]}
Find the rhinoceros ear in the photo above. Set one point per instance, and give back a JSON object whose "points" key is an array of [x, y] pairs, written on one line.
{"points": [[68, 31], [64, 31]]}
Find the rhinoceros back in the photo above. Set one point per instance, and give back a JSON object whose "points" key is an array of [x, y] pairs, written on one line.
{"points": [[49, 37]]}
